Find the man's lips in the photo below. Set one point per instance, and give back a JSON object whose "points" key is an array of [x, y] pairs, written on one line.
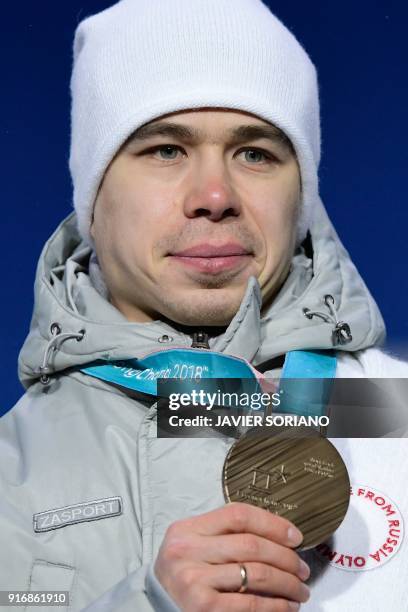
{"points": [[208, 250], [212, 259]]}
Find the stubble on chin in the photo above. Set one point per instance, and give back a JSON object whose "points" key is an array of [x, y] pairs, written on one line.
{"points": [[213, 307]]}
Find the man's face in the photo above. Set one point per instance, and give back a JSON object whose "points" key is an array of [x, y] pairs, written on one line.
{"points": [[185, 215]]}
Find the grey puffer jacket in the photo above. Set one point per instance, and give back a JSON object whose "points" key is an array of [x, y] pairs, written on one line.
{"points": [[84, 448]]}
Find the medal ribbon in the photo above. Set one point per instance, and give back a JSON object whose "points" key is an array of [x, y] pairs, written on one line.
{"points": [[305, 383], [183, 364]]}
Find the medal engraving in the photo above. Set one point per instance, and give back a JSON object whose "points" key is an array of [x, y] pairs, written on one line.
{"points": [[297, 474]]}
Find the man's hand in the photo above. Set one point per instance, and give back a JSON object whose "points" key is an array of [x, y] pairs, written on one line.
{"points": [[198, 562]]}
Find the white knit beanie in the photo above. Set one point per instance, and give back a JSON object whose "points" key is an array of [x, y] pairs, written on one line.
{"points": [[141, 59]]}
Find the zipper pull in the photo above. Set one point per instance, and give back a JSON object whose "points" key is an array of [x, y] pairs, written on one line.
{"points": [[200, 340]]}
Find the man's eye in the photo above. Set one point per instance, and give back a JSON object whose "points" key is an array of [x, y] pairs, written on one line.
{"points": [[167, 152], [256, 155]]}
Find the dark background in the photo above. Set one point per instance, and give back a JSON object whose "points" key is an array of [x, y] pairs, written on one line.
{"points": [[360, 50]]}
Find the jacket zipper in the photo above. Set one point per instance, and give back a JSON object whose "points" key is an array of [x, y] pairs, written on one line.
{"points": [[200, 340]]}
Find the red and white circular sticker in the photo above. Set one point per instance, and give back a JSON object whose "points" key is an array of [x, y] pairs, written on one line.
{"points": [[370, 535]]}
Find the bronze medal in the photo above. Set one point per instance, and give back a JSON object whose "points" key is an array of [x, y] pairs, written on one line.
{"points": [[297, 474]]}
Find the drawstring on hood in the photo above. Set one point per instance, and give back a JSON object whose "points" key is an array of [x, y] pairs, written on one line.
{"points": [[341, 333], [53, 345]]}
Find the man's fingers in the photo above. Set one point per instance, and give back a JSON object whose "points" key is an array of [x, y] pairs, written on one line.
{"points": [[262, 579], [237, 517], [234, 532], [247, 547]]}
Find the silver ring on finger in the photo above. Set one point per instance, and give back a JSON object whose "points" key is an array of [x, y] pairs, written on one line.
{"points": [[244, 579]]}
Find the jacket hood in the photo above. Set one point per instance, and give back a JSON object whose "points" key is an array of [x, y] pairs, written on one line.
{"points": [[66, 293]]}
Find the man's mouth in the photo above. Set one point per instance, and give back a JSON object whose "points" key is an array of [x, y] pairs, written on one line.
{"points": [[213, 259]]}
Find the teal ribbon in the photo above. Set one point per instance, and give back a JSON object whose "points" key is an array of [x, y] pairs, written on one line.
{"points": [[306, 382], [141, 375]]}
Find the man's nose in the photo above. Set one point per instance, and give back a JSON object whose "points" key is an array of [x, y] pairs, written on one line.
{"points": [[211, 195]]}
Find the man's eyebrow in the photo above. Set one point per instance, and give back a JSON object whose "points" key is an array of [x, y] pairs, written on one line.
{"points": [[185, 133]]}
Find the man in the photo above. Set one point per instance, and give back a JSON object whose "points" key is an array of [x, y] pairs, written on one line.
{"points": [[195, 150]]}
